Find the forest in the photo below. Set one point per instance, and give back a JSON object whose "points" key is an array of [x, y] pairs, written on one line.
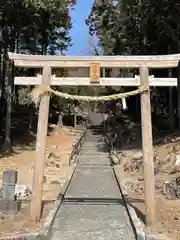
{"points": [[140, 27], [31, 27], [121, 27]]}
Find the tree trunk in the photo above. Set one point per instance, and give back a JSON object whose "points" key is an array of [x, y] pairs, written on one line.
{"points": [[30, 127], [171, 103], [178, 95], [60, 120], [1, 85], [75, 121], [8, 87]]}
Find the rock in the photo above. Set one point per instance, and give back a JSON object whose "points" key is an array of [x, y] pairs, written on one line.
{"points": [[22, 190], [44, 179], [124, 192], [52, 125], [177, 191], [112, 151], [169, 190], [166, 188], [51, 162], [57, 165], [55, 182], [51, 155], [174, 170], [140, 178], [137, 155], [115, 159], [177, 162], [54, 146], [178, 180]]}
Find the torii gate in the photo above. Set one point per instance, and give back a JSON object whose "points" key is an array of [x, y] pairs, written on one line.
{"points": [[95, 63]]}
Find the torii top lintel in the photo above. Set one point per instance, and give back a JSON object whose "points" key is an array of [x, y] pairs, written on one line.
{"points": [[135, 61]]}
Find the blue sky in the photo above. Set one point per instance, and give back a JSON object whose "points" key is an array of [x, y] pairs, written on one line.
{"points": [[79, 31]]}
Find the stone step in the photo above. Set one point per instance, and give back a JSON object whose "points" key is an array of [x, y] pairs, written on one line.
{"points": [[93, 137], [94, 146], [94, 150], [94, 166], [94, 183], [95, 160], [91, 144], [92, 222], [93, 154]]}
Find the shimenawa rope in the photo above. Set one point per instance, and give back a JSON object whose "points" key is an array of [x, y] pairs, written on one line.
{"points": [[38, 92]]}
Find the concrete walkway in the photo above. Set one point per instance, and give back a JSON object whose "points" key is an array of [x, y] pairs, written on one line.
{"points": [[93, 208]]}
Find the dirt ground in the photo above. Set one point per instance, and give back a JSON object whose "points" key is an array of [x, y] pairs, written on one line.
{"points": [[167, 174], [59, 146]]}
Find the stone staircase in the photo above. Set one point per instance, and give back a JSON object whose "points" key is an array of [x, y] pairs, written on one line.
{"points": [[93, 208]]}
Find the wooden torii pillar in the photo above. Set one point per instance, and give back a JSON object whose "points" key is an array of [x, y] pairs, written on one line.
{"points": [[38, 176], [147, 147]]}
